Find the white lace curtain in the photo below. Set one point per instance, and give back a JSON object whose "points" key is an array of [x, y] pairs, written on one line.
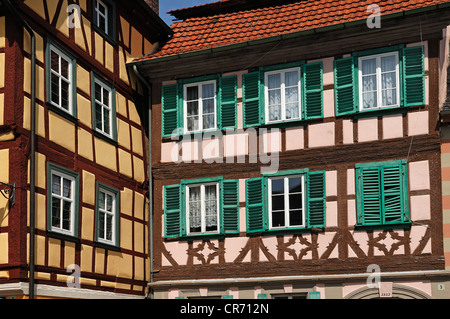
{"points": [[195, 205]]}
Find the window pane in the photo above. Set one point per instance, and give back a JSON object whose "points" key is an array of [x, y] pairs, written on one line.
{"points": [[292, 111], [208, 91], [98, 92], [369, 100], [67, 207], [102, 23], [98, 116], [389, 97], [54, 61], [277, 203], [65, 95], [211, 207], [277, 186], [65, 68], [292, 95], [106, 119], [278, 219], [295, 185], [275, 97], [292, 78], [388, 63], [67, 188], [56, 212], [192, 108], [109, 203], [295, 201], [192, 93], [55, 89], [274, 81], [369, 66], [208, 121], [56, 185], [208, 106], [106, 97], [275, 113], [295, 218], [194, 209], [101, 225], [109, 222], [101, 200], [192, 123]]}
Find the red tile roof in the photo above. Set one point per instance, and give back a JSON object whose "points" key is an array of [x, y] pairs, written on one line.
{"points": [[221, 29]]}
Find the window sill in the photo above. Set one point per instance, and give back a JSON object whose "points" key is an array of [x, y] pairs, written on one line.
{"points": [[61, 236], [405, 225], [105, 138], [62, 113], [105, 35], [107, 246], [289, 231], [381, 112]]}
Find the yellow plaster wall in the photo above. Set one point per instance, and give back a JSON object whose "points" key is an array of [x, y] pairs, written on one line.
{"points": [[87, 229], [2, 32], [105, 154], [2, 70], [4, 168], [4, 212], [61, 131], [2, 109], [40, 117], [85, 144], [4, 248]]}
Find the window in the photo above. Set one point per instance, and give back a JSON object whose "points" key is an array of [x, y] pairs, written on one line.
{"points": [[107, 215], [282, 95], [293, 200], [61, 80], [202, 208], [211, 207], [63, 197], [200, 106], [286, 202], [104, 18], [382, 193], [104, 108], [379, 81]]}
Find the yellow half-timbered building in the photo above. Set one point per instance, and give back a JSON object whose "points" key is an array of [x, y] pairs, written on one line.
{"points": [[73, 147]]}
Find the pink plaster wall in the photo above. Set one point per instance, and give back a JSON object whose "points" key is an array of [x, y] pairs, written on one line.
{"points": [[328, 103], [418, 123], [419, 176], [393, 126], [272, 141], [331, 183], [321, 135], [420, 207], [347, 131], [332, 214], [368, 129], [235, 144], [295, 138]]}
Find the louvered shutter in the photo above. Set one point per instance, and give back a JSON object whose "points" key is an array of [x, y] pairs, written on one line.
{"points": [[369, 196], [172, 210], [230, 206], [255, 196], [170, 110], [313, 90], [346, 96], [413, 76], [251, 99], [392, 194], [316, 199], [228, 102]]}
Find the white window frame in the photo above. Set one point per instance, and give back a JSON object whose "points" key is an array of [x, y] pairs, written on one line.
{"points": [[113, 215], [283, 95], [286, 201], [62, 199], [378, 76], [61, 78], [105, 86], [98, 14], [199, 85], [203, 210]]}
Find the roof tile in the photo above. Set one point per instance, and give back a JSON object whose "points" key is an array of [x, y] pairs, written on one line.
{"points": [[207, 32]]}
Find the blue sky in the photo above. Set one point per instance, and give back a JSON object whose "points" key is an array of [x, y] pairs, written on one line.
{"points": [[168, 5]]}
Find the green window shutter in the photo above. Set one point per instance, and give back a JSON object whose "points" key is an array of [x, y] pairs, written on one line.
{"points": [[230, 206], [345, 82], [263, 296], [170, 111], [392, 194], [314, 295], [313, 90], [251, 83], [172, 210], [369, 196], [227, 297], [228, 102], [316, 199], [255, 195], [413, 76]]}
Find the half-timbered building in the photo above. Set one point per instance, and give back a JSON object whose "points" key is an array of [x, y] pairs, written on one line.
{"points": [[73, 163], [296, 150]]}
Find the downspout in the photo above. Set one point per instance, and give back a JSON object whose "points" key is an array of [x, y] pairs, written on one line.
{"points": [[150, 174], [17, 15]]}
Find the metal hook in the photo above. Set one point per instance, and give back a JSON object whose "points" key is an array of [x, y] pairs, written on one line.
{"points": [[8, 191]]}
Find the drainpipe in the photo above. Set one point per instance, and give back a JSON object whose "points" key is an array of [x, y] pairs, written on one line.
{"points": [[17, 15], [150, 174]]}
